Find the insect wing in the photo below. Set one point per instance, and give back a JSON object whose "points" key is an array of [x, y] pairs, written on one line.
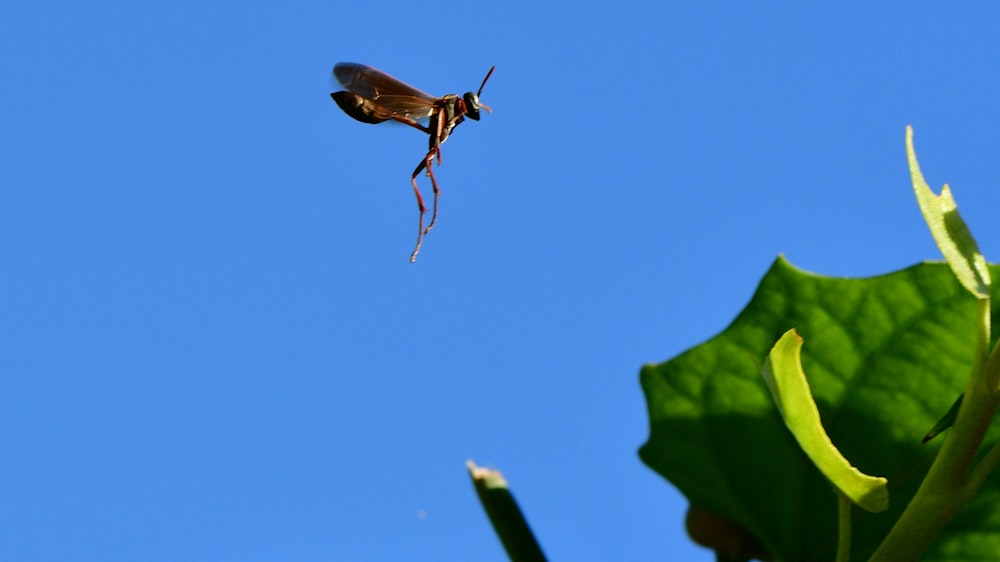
{"points": [[385, 91]]}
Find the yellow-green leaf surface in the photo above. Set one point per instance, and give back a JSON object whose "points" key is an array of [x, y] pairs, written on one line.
{"points": [[788, 385], [885, 356], [950, 232]]}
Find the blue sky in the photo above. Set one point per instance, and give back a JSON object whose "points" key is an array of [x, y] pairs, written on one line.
{"points": [[214, 346]]}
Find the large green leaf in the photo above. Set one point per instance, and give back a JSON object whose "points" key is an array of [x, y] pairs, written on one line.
{"points": [[885, 357]]}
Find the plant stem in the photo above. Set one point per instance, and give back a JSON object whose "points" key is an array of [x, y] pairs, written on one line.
{"points": [[843, 527], [505, 515], [949, 484]]}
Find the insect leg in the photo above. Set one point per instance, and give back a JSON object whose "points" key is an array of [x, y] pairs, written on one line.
{"points": [[439, 127], [423, 209], [428, 161], [411, 122], [435, 129]]}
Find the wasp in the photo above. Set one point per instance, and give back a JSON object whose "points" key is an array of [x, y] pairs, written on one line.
{"points": [[372, 96]]}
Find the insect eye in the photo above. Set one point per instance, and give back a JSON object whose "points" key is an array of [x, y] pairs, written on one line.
{"points": [[471, 105]]}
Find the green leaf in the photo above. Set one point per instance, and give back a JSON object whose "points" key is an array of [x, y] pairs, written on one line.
{"points": [[950, 232], [886, 356], [788, 385], [946, 421]]}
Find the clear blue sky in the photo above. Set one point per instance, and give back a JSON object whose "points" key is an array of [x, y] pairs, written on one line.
{"points": [[213, 346]]}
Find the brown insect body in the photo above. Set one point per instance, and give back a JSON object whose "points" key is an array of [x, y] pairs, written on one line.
{"points": [[372, 96]]}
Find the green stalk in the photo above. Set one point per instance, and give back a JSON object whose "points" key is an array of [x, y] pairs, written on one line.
{"points": [[505, 515]]}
